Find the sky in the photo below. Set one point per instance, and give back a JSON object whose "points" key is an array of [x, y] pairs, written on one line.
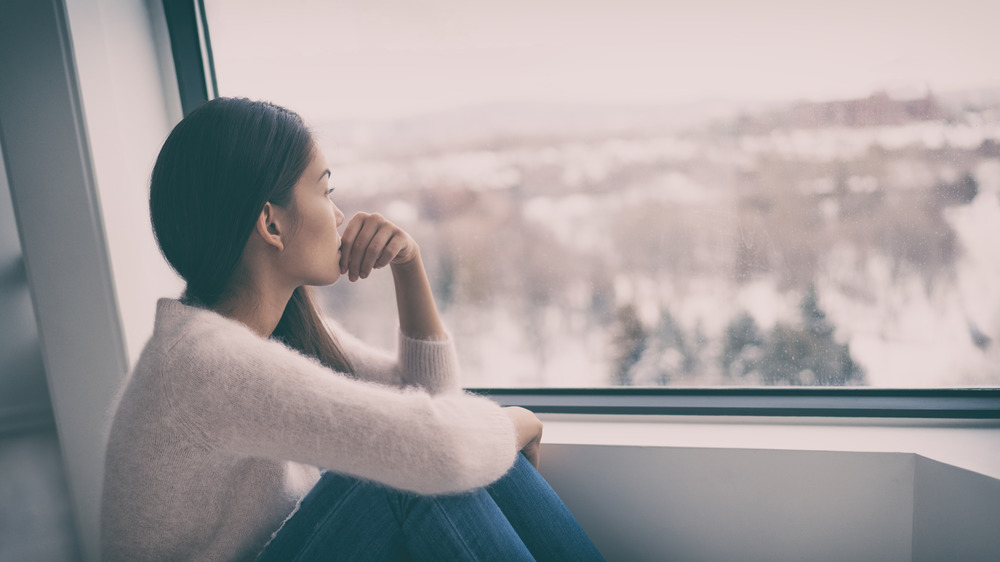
{"points": [[387, 59]]}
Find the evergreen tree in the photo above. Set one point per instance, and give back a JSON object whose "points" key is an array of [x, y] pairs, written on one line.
{"points": [[667, 353], [808, 355], [694, 349], [629, 343], [741, 346], [813, 318]]}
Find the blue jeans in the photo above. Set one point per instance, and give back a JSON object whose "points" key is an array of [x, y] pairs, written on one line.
{"points": [[518, 517]]}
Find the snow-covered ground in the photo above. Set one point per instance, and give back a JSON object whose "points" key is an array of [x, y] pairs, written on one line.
{"points": [[903, 331], [905, 334]]}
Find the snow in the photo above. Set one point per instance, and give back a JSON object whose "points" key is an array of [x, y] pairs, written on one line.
{"points": [[572, 219], [494, 351], [904, 331], [844, 143], [906, 336]]}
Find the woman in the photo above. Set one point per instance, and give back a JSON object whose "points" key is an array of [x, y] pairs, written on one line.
{"points": [[243, 395]]}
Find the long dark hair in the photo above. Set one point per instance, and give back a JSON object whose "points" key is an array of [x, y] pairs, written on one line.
{"points": [[211, 179]]}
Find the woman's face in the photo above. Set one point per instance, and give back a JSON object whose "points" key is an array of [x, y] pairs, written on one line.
{"points": [[312, 252]]}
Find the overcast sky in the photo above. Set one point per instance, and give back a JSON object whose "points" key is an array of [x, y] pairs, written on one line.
{"points": [[382, 59]]}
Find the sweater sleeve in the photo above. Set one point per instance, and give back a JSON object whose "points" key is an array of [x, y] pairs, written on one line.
{"points": [[431, 365], [251, 397]]}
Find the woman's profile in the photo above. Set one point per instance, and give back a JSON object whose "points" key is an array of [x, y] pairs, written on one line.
{"points": [[253, 428]]}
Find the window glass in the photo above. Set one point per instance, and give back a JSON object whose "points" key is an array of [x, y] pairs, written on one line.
{"points": [[661, 193]]}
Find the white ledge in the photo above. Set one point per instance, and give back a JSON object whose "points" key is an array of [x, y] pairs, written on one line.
{"points": [[970, 444]]}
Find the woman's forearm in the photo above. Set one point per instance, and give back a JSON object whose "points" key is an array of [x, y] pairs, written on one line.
{"points": [[418, 315], [372, 241]]}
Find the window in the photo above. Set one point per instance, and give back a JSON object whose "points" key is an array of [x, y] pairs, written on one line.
{"points": [[660, 194]]}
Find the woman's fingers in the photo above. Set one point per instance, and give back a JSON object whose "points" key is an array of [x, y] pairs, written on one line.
{"points": [[392, 247], [369, 242], [370, 226], [528, 432], [376, 249], [347, 240], [533, 452]]}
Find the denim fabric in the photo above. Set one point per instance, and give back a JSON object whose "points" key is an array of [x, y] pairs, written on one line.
{"points": [[518, 517]]}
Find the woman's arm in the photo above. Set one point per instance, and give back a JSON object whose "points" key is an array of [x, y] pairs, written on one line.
{"points": [[257, 398], [370, 242], [418, 315], [430, 365]]}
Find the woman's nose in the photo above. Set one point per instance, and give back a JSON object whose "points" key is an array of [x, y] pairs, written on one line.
{"points": [[339, 215]]}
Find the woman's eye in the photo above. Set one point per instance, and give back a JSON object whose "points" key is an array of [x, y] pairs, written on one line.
{"points": [[329, 191]]}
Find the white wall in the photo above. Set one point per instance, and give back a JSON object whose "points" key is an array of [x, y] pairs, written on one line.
{"points": [[130, 103], [24, 396], [969, 444], [85, 102], [60, 227], [643, 504], [956, 514], [769, 489]]}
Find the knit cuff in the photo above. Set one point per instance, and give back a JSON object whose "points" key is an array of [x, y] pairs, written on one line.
{"points": [[432, 365]]}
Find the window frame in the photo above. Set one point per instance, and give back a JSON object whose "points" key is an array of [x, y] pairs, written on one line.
{"points": [[192, 54], [839, 402], [191, 48]]}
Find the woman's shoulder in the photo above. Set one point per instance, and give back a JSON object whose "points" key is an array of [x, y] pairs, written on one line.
{"points": [[196, 359], [185, 336], [185, 344], [192, 339], [183, 324]]}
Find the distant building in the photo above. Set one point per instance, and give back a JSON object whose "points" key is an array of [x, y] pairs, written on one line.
{"points": [[876, 110]]}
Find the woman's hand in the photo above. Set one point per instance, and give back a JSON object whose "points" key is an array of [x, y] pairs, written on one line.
{"points": [[369, 242], [528, 428]]}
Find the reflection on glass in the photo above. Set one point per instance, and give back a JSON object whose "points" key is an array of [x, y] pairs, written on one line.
{"points": [[642, 194]]}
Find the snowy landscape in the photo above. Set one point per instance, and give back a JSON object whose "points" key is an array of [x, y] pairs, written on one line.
{"points": [[848, 243]]}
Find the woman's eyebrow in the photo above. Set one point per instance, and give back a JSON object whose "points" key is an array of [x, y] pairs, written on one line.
{"points": [[325, 173]]}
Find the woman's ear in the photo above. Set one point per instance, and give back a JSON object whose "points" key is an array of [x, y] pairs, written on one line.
{"points": [[269, 226]]}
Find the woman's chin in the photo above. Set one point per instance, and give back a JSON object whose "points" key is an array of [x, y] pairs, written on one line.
{"points": [[326, 279]]}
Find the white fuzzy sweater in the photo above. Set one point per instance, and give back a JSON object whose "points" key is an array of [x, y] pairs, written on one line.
{"points": [[219, 432]]}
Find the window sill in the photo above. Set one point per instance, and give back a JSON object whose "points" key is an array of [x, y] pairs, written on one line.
{"points": [[970, 444]]}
